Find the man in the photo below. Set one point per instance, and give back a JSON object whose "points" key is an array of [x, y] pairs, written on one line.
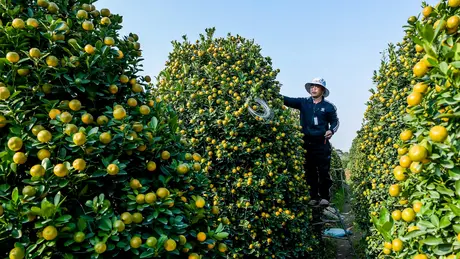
{"points": [[319, 122]]}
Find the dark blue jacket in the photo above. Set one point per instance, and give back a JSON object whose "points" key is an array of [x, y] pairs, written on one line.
{"points": [[324, 111]]}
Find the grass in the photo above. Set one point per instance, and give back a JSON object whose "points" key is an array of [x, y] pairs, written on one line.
{"points": [[339, 198]]}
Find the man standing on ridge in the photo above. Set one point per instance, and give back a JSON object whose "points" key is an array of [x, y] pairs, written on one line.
{"points": [[318, 118]]}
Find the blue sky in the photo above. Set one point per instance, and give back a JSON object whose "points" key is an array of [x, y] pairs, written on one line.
{"points": [[340, 41]]}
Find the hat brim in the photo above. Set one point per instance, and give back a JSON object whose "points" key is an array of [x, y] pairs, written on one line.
{"points": [[308, 86]]}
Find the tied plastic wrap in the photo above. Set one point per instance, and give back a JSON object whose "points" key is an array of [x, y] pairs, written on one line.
{"points": [[266, 115], [336, 232]]}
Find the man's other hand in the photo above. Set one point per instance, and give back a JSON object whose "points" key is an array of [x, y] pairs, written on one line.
{"points": [[328, 134]]}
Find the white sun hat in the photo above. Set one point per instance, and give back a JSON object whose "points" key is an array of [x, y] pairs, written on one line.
{"points": [[317, 81]]}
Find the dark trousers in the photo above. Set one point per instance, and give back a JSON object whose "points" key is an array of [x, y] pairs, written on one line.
{"points": [[317, 165]]}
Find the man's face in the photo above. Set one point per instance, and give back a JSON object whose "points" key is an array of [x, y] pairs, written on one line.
{"points": [[316, 91]]}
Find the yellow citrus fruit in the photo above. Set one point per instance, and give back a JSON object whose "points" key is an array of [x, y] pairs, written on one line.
{"points": [[170, 245], [132, 102], [386, 251], [201, 236], [394, 190], [82, 14], [43, 153], [32, 22], [453, 3], [420, 256], [182, 169], [420, 88], [150, 197], [222, 247], [79, 164], [70, 129], [49, 233], [36, 129], [79, 138], [15, 143], [60, 170], [79, 237], [4, 93], [151, 166], [137, 217], [196, 167], [44, 136], [119, 113], [196, 157], [427, 11], [417, 206], [418, 48], [417, 153], [398, 173], [66, 117], [37, 171], [34, 53], [182, 240], [52, 61], [408, 215], [2, 121], [193, 256], [137, 88], [75, 105], [113, 89], [109, 41], [119, 225], [16, 253], [100, 248], [137, 127], [453, 22], [29, 191], [402, 151], [135, 242], [397, 245], [102, 120], [414, 99], [46, 88], [105, 12], [105, 21], [405, 161], [124, 79], [54, 113], [438, 133], [200, 202], [18, 23], [387, 245], [127, 218], [135, 184], [162, 193], [151, 241], [132, 81], [12, 57], [415, 167], [89, 49], [215, 210], [52, 8], [165, 155], [420, 69], [19, 158], [140, 198], [105, 137], [87, 118], [87, 25], [113, 169], [144, 110]]}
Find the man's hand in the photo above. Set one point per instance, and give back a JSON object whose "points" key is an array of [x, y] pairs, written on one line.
{"points": [[328, 134]]}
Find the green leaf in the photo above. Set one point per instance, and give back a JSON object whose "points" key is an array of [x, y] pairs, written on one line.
{"points": [[457, 228], [413, 234], [64, 218], [457, 187], [105, 224], [93, 131], [153, 123], [46, 163], [81, 224], [432, 241], [455, 209], [57, 198], [221, 235], [47, 209], [445, 191], [15, 195], [147, 254], [445, 222], [163, 220], [435, 220], [443, 249], [443, 67], [62, 153]]}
